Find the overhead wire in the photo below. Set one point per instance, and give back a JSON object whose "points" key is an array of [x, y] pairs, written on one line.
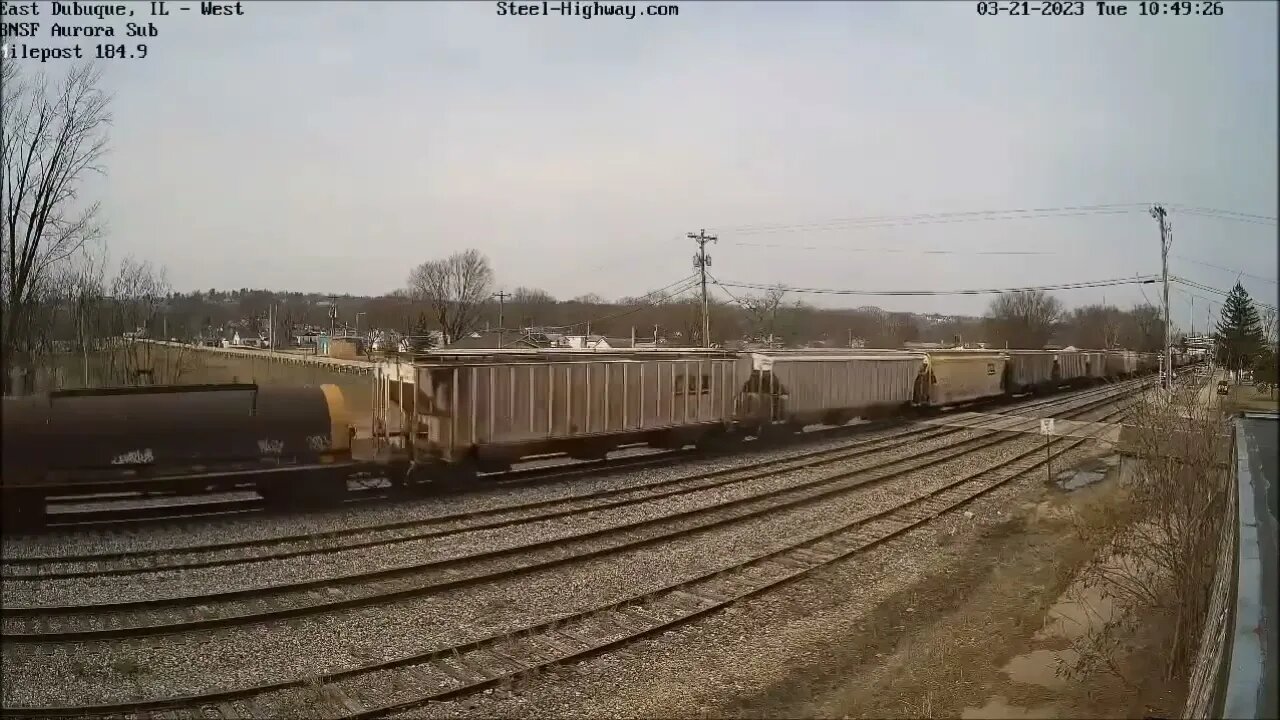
{"points": [[685, 284], [905, 251], [724, 289], [1140, 280], [936, 218], [1214, 290], [1227, 269], [1225, 214]]}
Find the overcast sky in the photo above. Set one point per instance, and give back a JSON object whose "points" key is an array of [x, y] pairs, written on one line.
{"points": [[330, 146]]}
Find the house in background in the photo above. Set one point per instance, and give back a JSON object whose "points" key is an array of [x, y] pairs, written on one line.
{"points": [[247, 338]]}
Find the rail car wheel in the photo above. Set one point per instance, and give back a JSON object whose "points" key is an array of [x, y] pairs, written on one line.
{"points": [[590, 451], [716, 440]]}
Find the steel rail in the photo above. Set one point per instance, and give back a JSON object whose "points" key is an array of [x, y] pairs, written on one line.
{"points": [[470, 667], [172, 615], [309, 544], [109, 517]]}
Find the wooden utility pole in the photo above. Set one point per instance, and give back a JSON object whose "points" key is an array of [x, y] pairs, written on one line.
{"points": [[1158, 213], [701, 261], [502, 296]]}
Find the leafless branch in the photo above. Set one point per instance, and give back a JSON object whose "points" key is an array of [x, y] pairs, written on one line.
{"points": [[456, 289]]}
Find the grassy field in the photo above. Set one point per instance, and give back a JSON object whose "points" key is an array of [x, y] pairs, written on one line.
{"points": [[1247, 398]]}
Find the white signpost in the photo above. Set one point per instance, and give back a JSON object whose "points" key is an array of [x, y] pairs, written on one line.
{"points": [[1046, 429]]}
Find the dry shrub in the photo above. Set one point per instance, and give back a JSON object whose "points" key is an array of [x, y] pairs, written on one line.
{"points": [[1164, 542]]}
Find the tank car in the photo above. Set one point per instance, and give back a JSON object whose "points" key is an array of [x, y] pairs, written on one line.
{"points": [[290, 443]]}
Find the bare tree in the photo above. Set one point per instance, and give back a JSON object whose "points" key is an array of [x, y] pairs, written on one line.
{"points": [[1166, 530], [1267, 318], [530, 306], [762, 312], [1023, 319], [456, 288], [50, 141], [136, 296], [1095, 326]]}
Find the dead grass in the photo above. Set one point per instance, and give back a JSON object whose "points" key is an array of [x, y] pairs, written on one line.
{"points": [[939, 647], [1246, 398]]}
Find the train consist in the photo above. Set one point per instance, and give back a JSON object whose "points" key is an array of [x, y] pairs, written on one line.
{"points": [[452, 414]]}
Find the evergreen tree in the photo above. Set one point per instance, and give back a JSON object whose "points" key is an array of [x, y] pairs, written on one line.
{"points": [[1239, 335]]}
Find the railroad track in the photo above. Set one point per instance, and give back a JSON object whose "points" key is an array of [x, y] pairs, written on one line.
{"points": [[381, 688], [200, 507], [286, 547], [254, 605]]}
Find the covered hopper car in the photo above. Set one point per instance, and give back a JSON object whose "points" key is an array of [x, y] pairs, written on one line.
{"points": [[1028, 370], [1073, 366], [951, 377], [453, 414], [802, 388], [487, 412]]}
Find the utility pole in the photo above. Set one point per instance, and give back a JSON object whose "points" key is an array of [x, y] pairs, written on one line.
{"points": [[333, 315], [701, 261], [502, 296], [1158, 213]]}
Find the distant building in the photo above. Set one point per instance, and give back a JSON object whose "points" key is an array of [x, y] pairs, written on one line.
{"points": [[490, 340], [247, 338]]}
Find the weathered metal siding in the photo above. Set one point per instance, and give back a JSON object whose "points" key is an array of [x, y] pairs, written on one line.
{"points": [[1072, 365], [1121, 362], [1097, 362], [813, 384], [1031, 368], [961, 376], [465, 405]]}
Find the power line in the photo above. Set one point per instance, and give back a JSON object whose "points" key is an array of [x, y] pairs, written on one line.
{"points": [[1226, 214], [1140, 280], [892, 250], [685, 284], [1227, 269], [934, 218], [1216, 291], [725, 290]]}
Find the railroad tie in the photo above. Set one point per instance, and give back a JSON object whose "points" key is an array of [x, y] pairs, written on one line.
{"points": [[229, 711], [464, 673], [337, 697]]}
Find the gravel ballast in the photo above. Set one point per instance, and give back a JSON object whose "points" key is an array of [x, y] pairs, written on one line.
{"points": [[323, 643]]}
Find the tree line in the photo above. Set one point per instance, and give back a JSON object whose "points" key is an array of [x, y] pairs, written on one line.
{"points": [[56, 295]]}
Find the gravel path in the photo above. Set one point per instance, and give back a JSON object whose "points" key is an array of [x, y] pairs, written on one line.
{"points": [[92, 672]]}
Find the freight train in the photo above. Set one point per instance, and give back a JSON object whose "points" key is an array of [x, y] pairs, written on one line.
{"points": [[450, 415]]}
